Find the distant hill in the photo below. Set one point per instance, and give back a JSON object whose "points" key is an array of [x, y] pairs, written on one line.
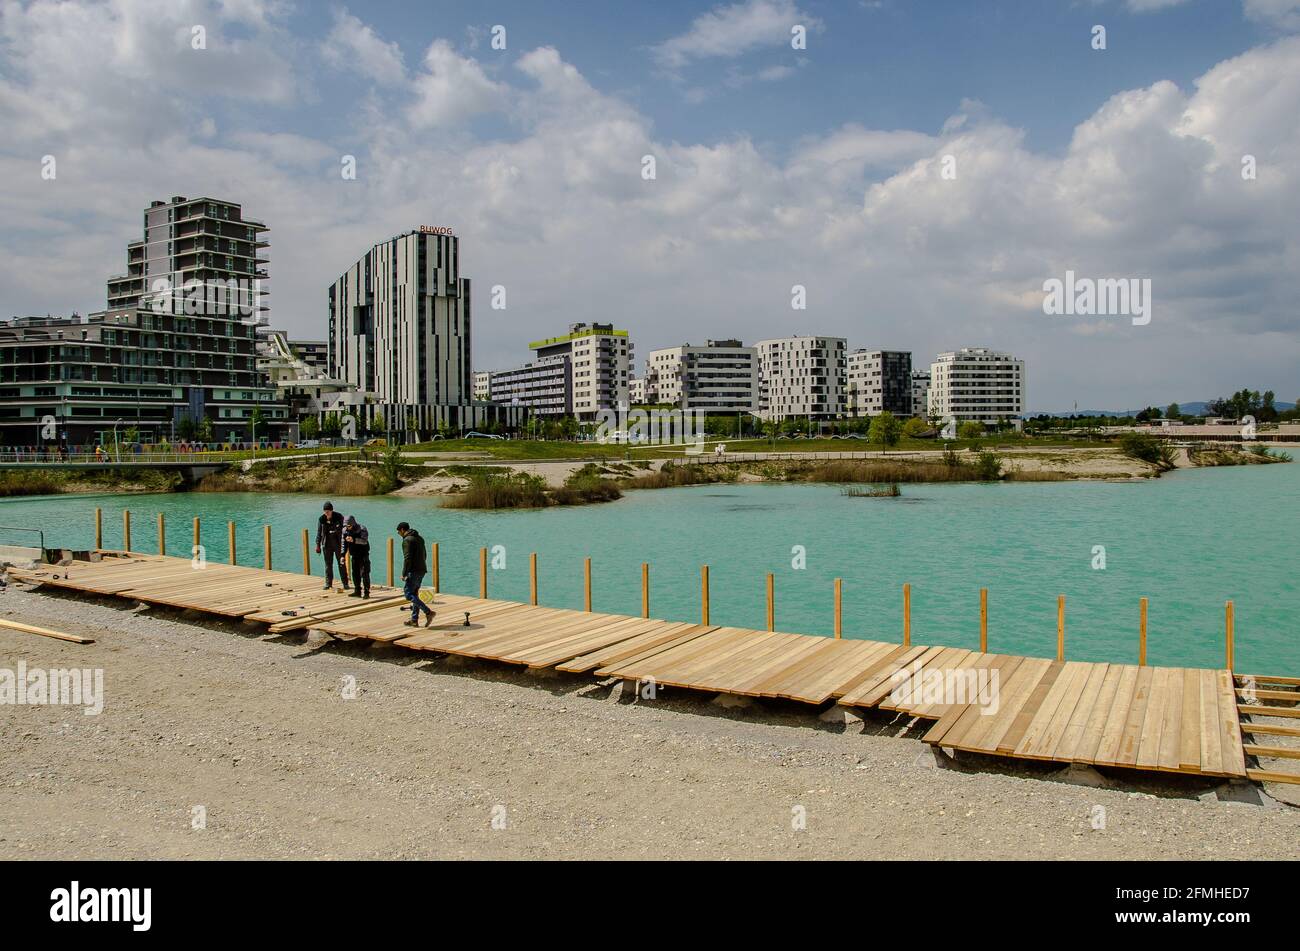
{"points": [[1197, 408]]}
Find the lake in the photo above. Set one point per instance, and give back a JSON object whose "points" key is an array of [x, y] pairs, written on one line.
{"points": [[1188, 541]]}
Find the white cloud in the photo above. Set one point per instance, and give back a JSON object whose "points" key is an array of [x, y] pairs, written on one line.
{"points": [[1280, 14], [452, 88], [730, 31], [353, 45]]}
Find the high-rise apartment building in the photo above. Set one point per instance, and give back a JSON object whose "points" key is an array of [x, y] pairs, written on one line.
{"points": [[599, 358], [921, 393], [978, 385], [719, 377], [878, 380], [801, 376]]}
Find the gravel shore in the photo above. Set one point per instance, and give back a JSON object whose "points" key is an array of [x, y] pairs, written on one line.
{"points": [[440, 758]]}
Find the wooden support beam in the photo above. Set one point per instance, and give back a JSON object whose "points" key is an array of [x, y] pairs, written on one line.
{"points": [[1268, 729], [306, 553], [126, 530], [1060, 627], [482, 573], [1258, 711], [1256, 694], [586, 583], [45, 632], [266, 545], [645, 589], [1228, 630], [390, 563], [907, 615], [197, 543], [1265, 776], [1263, 679], [984, 620], [532, 578], [704, 594], [436, 570], [1277, 752], [771, 602], [99, 528], [162, 534], [839, 608], [1142, 632]]}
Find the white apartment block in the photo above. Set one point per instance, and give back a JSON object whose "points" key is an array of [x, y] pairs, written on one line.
{"points": [[636, 391], [600, 359], [920, 393], [482, 385], [878, 380], [544, 386], [801, 376], [976, 384], [719, 377]]}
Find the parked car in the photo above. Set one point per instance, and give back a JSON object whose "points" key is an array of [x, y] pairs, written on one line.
{"points": [[376, 443], [309, 444], [476, 435]]}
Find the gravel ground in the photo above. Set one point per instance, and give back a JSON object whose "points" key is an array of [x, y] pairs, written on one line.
{"points": [[440, 758]]}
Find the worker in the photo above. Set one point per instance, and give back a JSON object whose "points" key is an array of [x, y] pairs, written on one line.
{"points": [[415, 565], [356, 549], [329, 538]]}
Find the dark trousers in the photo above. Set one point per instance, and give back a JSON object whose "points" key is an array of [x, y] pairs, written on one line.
{"points": [[411, 588], [360, 570], [332, 555]]}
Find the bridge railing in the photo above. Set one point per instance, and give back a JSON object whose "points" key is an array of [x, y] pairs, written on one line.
{"points": [[46, 457]]}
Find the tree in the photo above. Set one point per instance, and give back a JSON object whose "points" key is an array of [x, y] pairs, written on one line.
{"points": [[1174, 411], [970, 430], [309, 428], [186, 429], [257, 422], [914, 428], [204, 431], [886, 429]]}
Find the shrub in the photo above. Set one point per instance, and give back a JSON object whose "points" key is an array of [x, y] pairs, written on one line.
{"points": [[988, 467]]}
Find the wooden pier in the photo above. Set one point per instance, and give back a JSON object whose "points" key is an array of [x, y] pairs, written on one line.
{"points": [[1172, 719]]}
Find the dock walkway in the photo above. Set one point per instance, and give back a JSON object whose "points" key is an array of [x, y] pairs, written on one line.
{"points": [[1174, 719]]}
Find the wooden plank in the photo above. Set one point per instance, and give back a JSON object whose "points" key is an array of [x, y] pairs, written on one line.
{"points": [[1061, 698], [1265, 776], [1017, 726], [1189, 754], [1211, 745], [1153, 724], [1085, 750], [1277, 752], [1124, 750], [45, 632], [976, 730], [1262, 711], [659, 638], [1234, 756], [1171, 727], [1268, 729], [1073, 731]]}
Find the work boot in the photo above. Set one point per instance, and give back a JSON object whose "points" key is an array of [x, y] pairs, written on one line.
{"points": [[428, 618], [327, 586]]}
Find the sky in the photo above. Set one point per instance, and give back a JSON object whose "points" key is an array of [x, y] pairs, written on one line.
{"points": [[921, 169]]}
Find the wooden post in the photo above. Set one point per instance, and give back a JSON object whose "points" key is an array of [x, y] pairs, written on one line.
{"points": [[1228, 627], [266, 545], [586, 580], [390, 562], [162, 534], [196, 532], [230, 530], [1142, 634], [436, 586], [645, 589], [306, 553], [839, 608], [771, 602], [1060, 627], [126, 530], [984, 620], [704, 594], [907, 615], [532, 578], [99, 528], [482, 573]]}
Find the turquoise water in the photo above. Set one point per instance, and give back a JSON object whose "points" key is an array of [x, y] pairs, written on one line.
{"points": [[1188, 541]]}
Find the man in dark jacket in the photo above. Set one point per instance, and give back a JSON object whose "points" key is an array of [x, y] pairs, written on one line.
{"points": [[356, 551], [329, 538], [415, 565]]}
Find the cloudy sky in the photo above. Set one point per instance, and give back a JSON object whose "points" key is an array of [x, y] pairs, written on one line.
{"points": [[774, 166]]}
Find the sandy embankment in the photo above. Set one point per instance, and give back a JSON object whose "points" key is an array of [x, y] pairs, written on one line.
{"points": [[256, 730]]}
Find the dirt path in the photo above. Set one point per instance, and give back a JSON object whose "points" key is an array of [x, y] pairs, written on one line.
{"points": [[256, 730]]}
